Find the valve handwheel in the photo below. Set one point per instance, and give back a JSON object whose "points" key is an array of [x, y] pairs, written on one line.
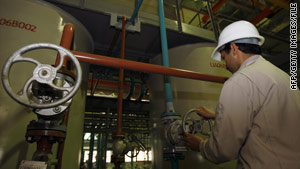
{"points": [[197, 126], [43, 74]]}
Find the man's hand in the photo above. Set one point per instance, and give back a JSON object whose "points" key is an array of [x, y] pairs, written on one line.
{"points": [[205, 112], [193, 141]]}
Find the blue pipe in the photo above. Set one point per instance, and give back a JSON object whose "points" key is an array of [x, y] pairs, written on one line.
{"points": [[99, 157], [90, 164], [132, 87], [164, 47], [136, 10], [174, 163], [132, 18]]}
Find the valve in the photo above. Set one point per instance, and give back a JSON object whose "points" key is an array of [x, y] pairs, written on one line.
{"points": [[196, 126], [134, 143], [174, 131], [45, 89]]}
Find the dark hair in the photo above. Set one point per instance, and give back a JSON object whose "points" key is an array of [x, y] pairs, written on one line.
{"points": [[244, 47]]}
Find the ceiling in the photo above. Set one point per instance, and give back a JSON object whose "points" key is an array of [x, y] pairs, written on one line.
{"points": [[270, 16]]}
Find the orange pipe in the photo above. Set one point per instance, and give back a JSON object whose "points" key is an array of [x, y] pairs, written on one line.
{"points": [[113, 43], [110, 83], [145, 67], [262, 15], [66, 41], [121, 79], [215, 8], [194, 10]]}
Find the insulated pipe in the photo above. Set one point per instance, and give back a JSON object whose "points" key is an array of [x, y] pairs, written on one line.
{"points": [[145, 67], [164, 48], [66, 41], [121, 79]]}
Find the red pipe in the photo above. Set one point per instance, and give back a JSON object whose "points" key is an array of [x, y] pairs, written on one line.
{"points": [[111, 83], [66, 41], [113, 42], [262, 15], [121, 79], [215, 8], [194, 10], [145, 67]]}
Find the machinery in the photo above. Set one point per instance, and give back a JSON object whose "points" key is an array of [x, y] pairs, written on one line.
{"points": [[175, 129], [26, 22], [187, 94], [49, 94], [191, 123]]}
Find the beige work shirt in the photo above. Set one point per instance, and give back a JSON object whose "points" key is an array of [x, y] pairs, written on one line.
{"points": [[257, 119]]}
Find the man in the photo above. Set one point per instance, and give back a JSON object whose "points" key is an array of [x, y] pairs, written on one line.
{"points": [[257, 119]]}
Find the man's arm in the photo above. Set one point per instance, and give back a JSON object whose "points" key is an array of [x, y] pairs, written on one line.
{"points": [[232, 124], [205, 112]]}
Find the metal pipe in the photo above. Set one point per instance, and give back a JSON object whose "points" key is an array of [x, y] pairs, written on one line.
{"points": [[194, 10], [92, 85], [132, 87], [66, 41], [262, 15], [215, 8], [113, 42], [282, 3], [165, 56], [178, 16], [135, 12], [121, 79], [99, 157], [131, 20], [215, 29], [94, 88], [90, 163], [145, 67], [197, 14]]}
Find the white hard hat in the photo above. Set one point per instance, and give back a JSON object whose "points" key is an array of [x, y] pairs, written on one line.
{"points": [[238, 32]]}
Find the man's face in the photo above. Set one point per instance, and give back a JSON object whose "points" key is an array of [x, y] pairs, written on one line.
{"points": [[231, 60]]}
